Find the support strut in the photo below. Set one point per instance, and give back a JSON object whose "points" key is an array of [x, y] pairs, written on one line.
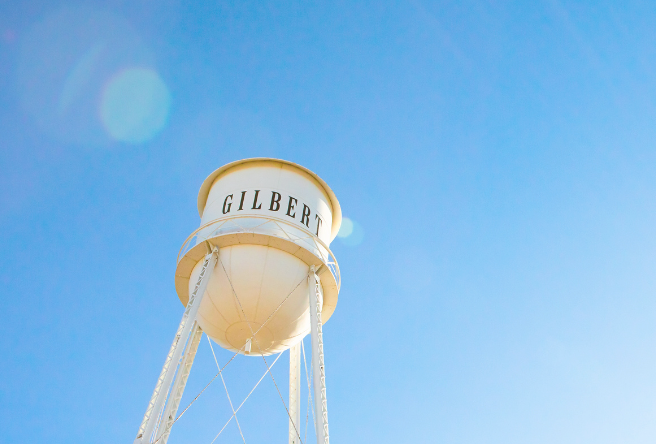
{"points": [[153, 416], [179, 384], [295, 394], [319, 371]]}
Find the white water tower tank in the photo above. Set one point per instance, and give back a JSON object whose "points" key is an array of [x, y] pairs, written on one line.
{"points": [[271, 220]]}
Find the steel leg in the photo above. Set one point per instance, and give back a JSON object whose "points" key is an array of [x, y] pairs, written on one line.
{"points": [[319, 371], [157, 402]]}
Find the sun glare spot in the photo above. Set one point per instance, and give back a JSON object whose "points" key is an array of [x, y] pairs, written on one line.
{"points": [[135, 104], [346, 228], [350, 232]]}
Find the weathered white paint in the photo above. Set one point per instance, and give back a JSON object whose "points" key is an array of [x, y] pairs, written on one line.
{"points": [[264, 269], [295, 394]]}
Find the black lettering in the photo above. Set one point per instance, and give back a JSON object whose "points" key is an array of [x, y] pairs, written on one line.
{"points": [[226, 202], [275, 199], [305, 217], [255, 201], [290, 207], [241, 202], [318, 219]]}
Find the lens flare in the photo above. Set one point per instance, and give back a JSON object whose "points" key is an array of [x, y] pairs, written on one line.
{"points": [[350, 232], [135, 105], [64, 62], [346, 229]]}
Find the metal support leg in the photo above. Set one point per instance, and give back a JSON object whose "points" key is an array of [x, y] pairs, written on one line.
{"points": [[295, 394], [180, 383], [160, 394], [319, 371]]}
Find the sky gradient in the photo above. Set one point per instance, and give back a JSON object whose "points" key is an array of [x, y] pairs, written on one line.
{"points": [[498, 161]]}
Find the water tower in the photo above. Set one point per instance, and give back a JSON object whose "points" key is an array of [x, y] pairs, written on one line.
{"points": [[257, 276]]}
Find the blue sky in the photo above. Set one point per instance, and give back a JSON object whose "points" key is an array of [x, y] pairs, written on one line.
{"points": [[498, 161]]}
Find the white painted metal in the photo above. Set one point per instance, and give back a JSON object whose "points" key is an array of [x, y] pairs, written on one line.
{"points": [[162, 388], [319, 371], [267, 175], [179, 385], [272, 219], [228, 232], [160, 381], [262, 277], [295, 394]]}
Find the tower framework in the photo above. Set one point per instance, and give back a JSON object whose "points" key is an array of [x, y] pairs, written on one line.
{"points": [[257, 276]]}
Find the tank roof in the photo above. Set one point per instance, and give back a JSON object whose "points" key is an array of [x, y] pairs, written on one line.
{"points": [[204, 191]]}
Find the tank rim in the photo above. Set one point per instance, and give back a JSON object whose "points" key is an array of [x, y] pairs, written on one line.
{"points": [[204, 191]]}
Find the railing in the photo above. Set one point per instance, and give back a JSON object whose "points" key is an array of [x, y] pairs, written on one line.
{"points": [[265, 225]]}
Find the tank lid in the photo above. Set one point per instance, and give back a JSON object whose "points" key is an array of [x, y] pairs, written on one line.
{"points": [[204, 191]]}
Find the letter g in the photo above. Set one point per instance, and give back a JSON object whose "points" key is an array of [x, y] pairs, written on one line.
{"points": [[228, 203]]}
